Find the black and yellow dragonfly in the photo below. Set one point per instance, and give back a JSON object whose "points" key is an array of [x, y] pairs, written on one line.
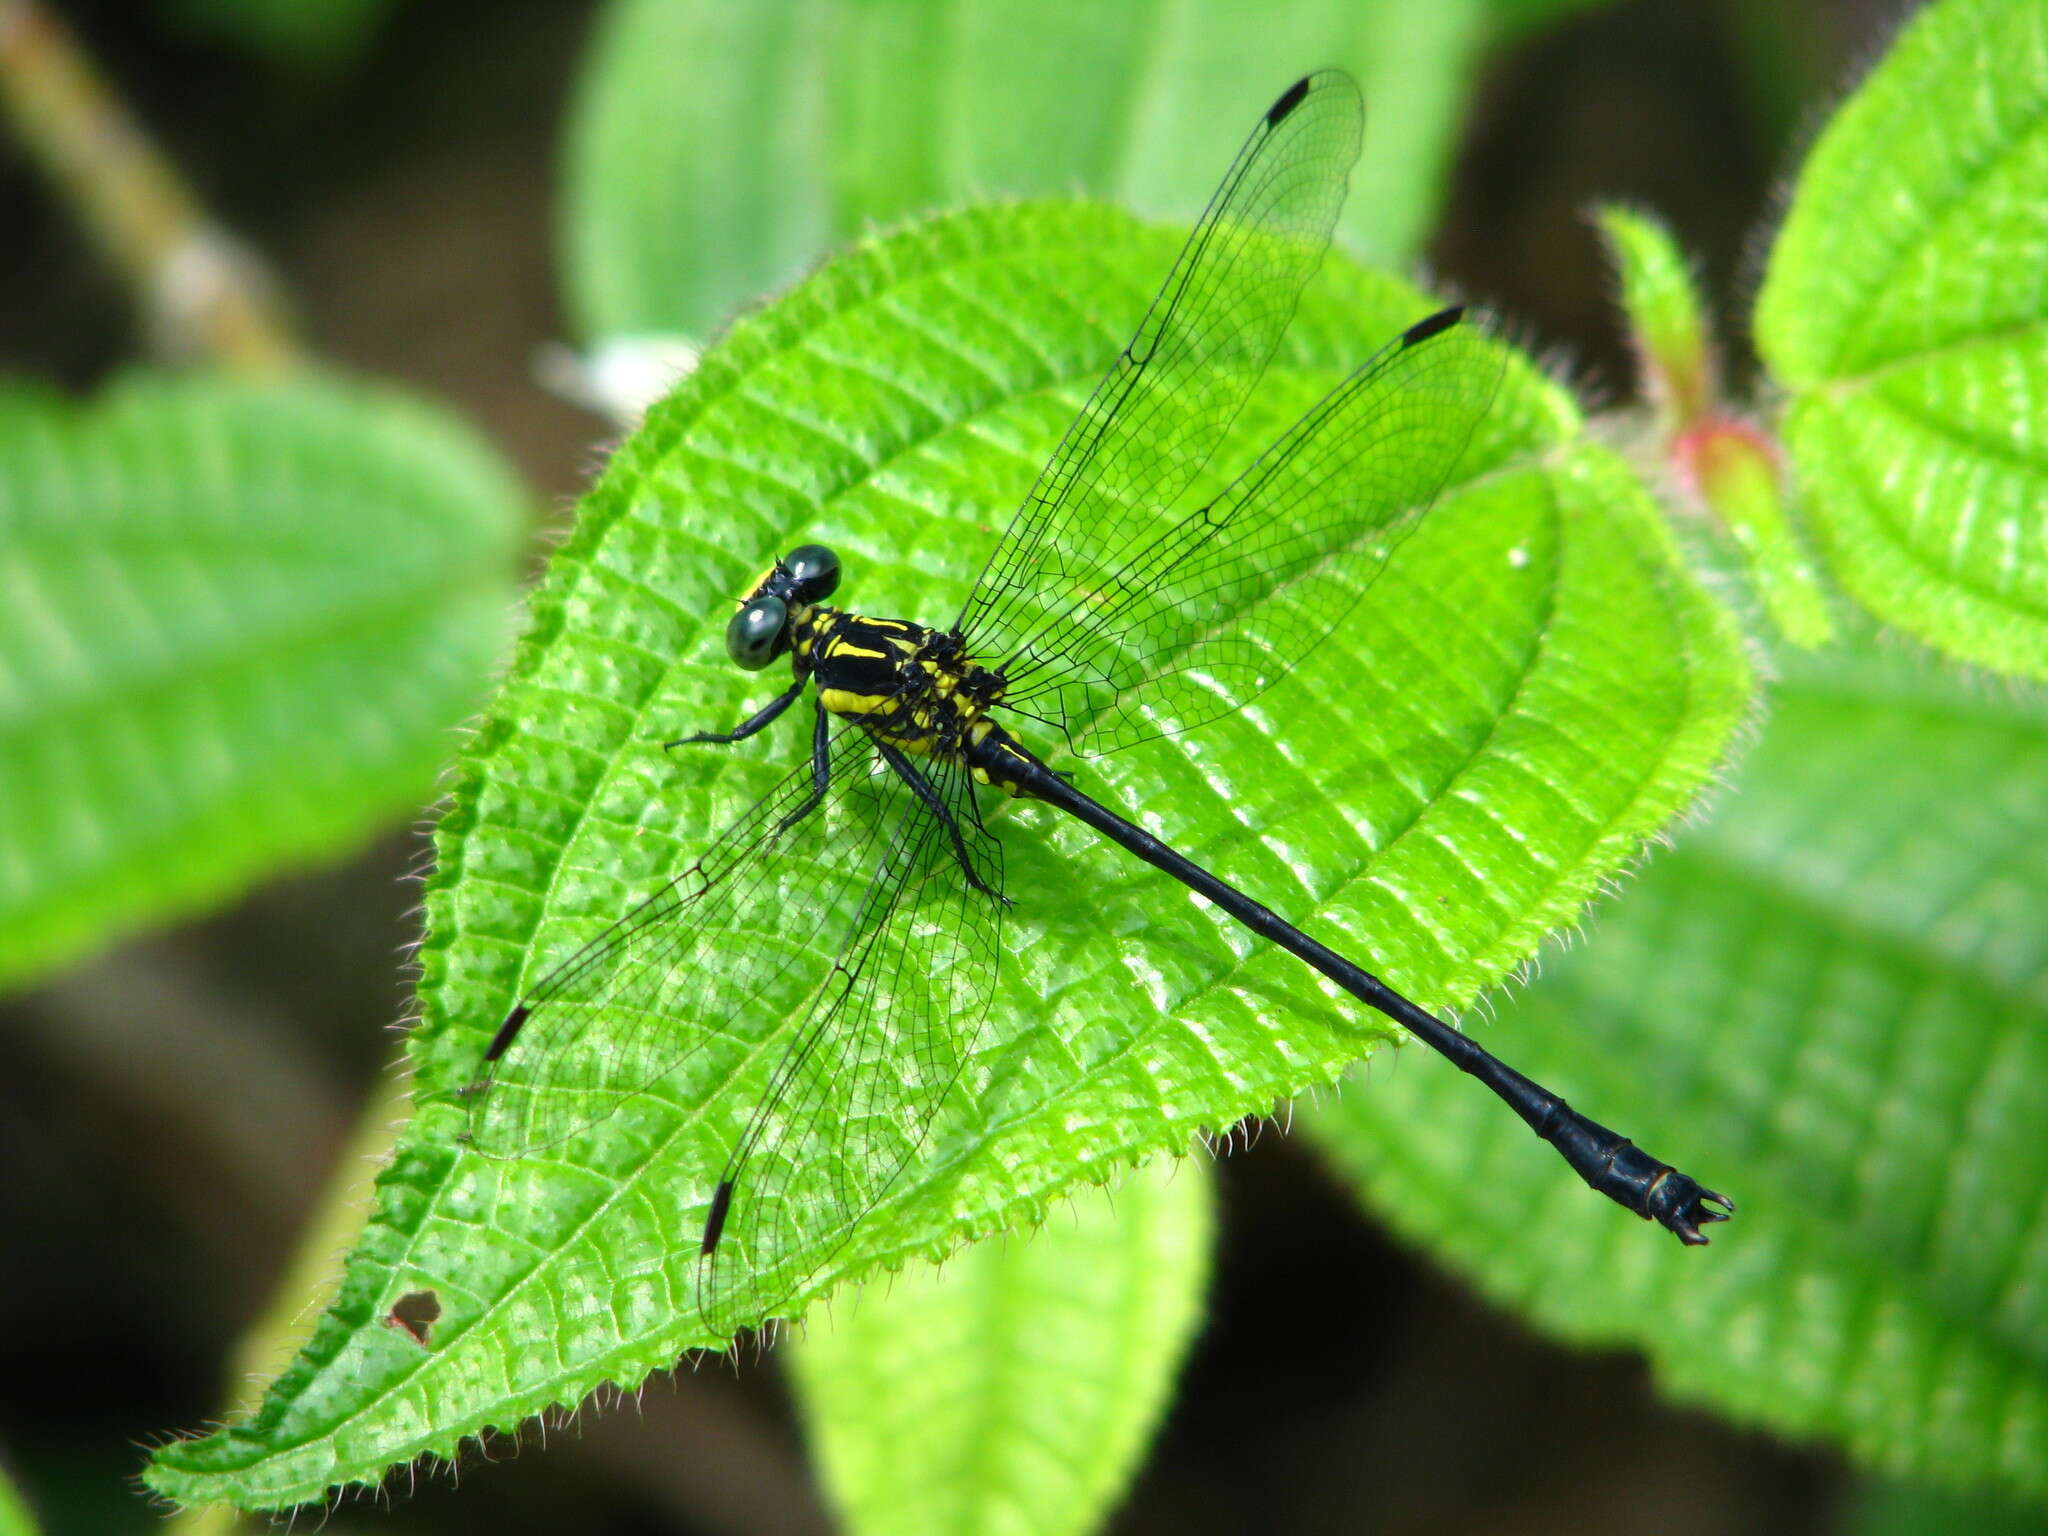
{"points": [[863, 898]]}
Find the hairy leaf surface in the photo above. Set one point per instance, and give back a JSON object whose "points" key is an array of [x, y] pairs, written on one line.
{"points": [[1906, 311], [1534, 686]]}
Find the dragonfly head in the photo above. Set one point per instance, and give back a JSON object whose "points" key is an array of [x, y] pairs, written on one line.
{"points": [[759, 632]]}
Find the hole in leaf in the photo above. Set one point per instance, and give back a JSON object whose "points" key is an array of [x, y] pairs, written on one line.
{"points": [[416, 1312]]}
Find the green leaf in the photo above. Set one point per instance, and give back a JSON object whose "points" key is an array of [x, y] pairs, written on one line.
{"points": [[1905, 315], [716, 150], [1539, 686], [1017, 1388], [1830, 1003], [1739, 475], [15, 1516], [1712, 455], [238, 624], [1908, 1509], [1666, 325]]}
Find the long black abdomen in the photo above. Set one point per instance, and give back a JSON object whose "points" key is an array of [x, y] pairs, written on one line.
{"points": [[1606, 1160]]}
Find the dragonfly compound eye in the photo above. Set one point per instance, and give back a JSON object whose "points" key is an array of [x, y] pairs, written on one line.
{"points": [[813, 571], [755, 633]]}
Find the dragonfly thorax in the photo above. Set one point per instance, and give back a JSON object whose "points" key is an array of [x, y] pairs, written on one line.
{"points": [[909, 685], [912, 685]]}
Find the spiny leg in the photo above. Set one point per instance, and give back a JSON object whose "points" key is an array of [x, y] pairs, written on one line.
{"points": [[766, 716], [935, 803], [821, 771]]}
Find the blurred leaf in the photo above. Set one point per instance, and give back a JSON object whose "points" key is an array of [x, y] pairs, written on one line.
{"points": [[15, 1516], [1911, 1509], [315, 33], [238, 625], [1712, 454], [1738, 473], [1539, 686], [1831, 1002], [717, 150], [1905, 313], [1017, 1388], [1667, 330]]}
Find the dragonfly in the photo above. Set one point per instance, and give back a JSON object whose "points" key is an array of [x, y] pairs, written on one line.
{"points": [[852, 918]]}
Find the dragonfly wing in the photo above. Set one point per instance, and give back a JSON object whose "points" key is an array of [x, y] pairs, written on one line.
{"points": [[1171, 395], [855, 1092], [719, 956], [1233, 594]]}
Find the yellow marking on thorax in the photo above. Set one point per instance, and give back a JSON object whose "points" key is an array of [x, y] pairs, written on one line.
{"points": [[842, 702]]}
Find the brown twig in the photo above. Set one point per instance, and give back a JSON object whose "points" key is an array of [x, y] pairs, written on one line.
{"points": [[200, 292]]}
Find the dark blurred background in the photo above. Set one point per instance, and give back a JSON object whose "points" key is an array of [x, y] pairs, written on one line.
{"points": [[169, 1112]]}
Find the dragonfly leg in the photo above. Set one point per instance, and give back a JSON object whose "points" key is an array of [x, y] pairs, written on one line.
{"points": [[761, 720], [821, 771], [920, 786]]}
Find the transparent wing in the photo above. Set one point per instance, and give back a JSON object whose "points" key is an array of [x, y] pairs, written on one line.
{"points": [[855, 1093], [1216, 609], [848, 948], [724, 953], [1171, 395]]}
